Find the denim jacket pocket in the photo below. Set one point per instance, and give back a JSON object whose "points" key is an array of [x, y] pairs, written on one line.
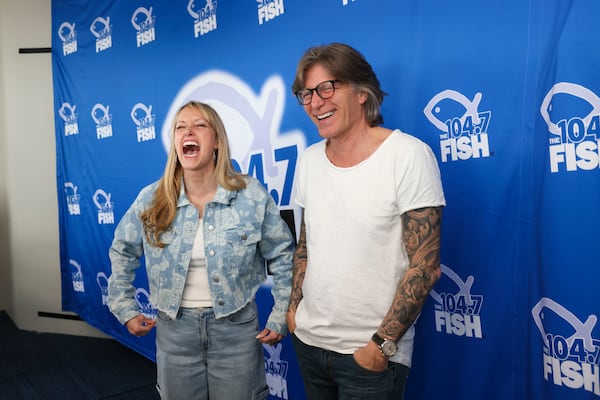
{"points": [[246, 235], [242, 242]]}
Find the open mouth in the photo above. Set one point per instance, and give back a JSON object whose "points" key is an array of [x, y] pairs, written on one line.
{"points": [[323, 116], [190, 149]]}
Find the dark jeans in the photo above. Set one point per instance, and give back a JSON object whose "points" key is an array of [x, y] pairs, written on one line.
{"points": [[329, 375]]}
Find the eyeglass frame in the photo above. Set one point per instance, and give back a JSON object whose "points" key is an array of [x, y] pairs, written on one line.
{"points": [[306, 91]]}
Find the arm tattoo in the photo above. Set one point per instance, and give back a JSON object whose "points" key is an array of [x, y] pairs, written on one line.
{"points": [[300, 257], [421, 231]]}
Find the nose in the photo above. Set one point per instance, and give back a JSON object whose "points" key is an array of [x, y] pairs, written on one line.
{"points": [[316, 101]]}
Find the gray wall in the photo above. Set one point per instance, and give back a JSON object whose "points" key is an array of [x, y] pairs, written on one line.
{"points": [[29, 245]]}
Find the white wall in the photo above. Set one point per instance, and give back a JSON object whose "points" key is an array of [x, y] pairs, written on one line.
{"points": [[29, 243]]}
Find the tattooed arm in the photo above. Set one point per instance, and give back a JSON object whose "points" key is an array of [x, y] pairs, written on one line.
{"points": [[298, 278], [421, 230]]}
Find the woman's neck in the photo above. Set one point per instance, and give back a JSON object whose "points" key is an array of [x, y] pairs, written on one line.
{"points": [[200, 189]]}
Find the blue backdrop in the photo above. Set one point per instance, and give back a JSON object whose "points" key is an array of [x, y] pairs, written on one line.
{"points": [[505, 92]]}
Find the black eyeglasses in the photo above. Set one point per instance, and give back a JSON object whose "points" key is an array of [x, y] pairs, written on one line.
{"points": [[324, 90]]}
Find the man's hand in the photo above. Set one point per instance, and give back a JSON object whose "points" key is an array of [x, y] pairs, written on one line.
{"points": [[268, 336], [291, 320], [140, 325], [369, 357]]}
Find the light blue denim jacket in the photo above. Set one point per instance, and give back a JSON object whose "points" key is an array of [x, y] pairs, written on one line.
{"points": [[242, 229]]}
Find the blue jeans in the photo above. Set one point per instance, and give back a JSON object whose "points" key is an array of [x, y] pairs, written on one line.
{"points": [[201, 357], [329, 375]]}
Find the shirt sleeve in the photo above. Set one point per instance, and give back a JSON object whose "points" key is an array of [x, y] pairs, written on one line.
{"points": [[277, 248], [124, 254], [418, 182]]}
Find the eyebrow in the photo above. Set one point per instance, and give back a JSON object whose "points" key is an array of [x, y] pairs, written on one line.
{"points": [[193, 121]]}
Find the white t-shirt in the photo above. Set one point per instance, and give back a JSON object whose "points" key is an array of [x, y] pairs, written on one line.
{"points": [[196, 292], [356, 254]]}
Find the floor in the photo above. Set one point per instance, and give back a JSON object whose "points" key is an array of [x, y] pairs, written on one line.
{"points": [[49, 366]]}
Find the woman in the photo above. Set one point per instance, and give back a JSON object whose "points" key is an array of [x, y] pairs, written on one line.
{"points": [[206, 232]]}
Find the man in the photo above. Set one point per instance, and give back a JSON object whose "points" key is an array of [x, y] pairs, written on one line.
{"points": [[368, 250]]}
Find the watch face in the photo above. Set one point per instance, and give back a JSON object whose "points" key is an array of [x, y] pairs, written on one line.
{"points": [[388, 348]]}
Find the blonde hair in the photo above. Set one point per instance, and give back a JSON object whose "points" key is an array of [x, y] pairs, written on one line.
{"points": [[158, 218]]}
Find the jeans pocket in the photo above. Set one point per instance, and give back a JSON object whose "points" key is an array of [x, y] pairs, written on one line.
{"points": [[261, 394], [366, 371], [163, 319]]}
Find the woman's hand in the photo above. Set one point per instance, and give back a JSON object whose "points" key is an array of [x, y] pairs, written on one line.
{"points": [[140, 325], [268, 336]]}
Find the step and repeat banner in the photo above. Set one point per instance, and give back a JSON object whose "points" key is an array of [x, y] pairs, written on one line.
{"points": [[507, 94]]}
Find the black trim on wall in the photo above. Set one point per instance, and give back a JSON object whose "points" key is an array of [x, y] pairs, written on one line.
{"points": [[34, 50], [59, 316]]}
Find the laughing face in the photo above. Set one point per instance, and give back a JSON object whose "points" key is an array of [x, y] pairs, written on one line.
{"points": [[338, 115], [195, 140]]}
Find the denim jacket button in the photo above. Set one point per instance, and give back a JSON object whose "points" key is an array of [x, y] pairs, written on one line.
{"points": [[212, 252], [221, 302]]}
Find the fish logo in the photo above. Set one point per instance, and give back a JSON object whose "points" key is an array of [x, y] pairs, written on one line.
{"points": [[447, 104], [464, 287], [100, 27], [66, 32], [209, 8], [100, 114], [457, 312], [68, 36], [77, 277], [587, 100], [276, 370], [142, 19], [102, 201], [546, 307], [102, 281], [72, 198], [142, 115], [67, 113], [144, 120], [142, 298]]}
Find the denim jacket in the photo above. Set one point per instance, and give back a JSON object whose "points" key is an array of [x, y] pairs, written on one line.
{"points": [[242, 229]]}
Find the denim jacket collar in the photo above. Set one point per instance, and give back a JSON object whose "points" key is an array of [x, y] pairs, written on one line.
{"points": [[222, 196]]}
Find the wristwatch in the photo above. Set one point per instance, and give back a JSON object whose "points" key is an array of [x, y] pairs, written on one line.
{"points": [[387, 347]]}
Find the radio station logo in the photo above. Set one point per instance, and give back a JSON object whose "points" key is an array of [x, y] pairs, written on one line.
{"points": [[252, 121], [457, 311], [143, 21], [72, 199], [570, 353], [68, 36], [277, 370], [102, 30], [205, 16], [69, 116], [269, 10], [103, 120], [144, 120], [105, 207], [102, 281], [77, 276], [142, 298], [572, 114], [464, 128]]}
